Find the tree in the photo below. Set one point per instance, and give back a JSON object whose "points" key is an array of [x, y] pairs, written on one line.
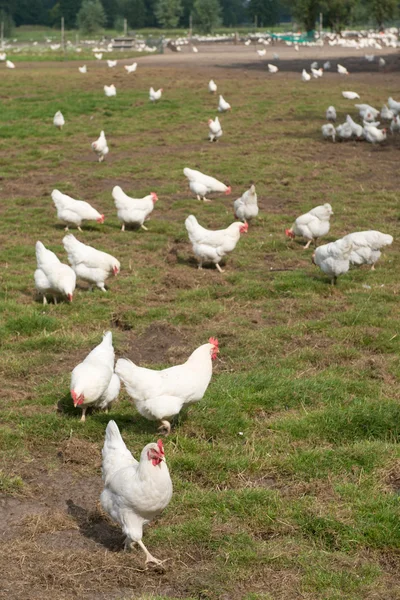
{"points": [[266, 11], [206, 14], [233, 12], [91, 16], [110, 7], [168, 13], [382, 10], [338, 13], [134, 11], [7, 19], [69, 10], [306, 12]]}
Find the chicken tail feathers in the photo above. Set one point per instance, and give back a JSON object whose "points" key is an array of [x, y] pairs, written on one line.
{"points": [[115, 454], [191, 223]]}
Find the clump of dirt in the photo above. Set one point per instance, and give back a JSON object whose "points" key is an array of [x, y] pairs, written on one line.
{"points": [[159, 343], [79, 452]]}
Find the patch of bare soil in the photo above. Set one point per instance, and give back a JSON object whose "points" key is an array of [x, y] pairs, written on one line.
{"points": [[159, 343]]}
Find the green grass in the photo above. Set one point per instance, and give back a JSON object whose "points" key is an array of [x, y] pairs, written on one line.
{"points": [[285, 474]]}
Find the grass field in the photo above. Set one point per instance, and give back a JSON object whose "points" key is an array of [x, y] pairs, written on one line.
{"points": [[303, 504]]}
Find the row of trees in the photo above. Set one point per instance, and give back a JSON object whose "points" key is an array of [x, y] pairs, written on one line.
{"points": [[206, 13]]}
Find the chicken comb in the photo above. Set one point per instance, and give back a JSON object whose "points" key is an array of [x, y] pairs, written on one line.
{"points": [[213, 341], [160, 446], [289, 233]]}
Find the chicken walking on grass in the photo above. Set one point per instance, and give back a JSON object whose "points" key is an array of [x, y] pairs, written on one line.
{"points": [[52, 277], [74, 212], [133, 211], [89, 264], [201, 184], [312, 225]]}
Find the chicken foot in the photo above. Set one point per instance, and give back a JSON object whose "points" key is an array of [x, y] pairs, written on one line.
{"points": [[83, 417], [143, 227]]}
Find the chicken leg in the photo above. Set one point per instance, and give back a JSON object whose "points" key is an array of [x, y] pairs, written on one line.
{"points": [[219, 268], [143, 227], [83, 417], [149, 557], [44, 300], [123, 227], [307, 245], [165, 427]]}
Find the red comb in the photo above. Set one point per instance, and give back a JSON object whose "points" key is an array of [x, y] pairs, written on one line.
{"points": [[289, 233], [160, 446], [213, 341]]}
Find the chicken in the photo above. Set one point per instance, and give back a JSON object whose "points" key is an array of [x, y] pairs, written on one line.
{"points": [[327, 65], [334, 258], [212, 86], [272, 68], [350, 95], [305, 76], [3, 56], [223, 105], [344, 131], [382, 62], [215, 129], [395, 124], [155, 95], [201, 184], [328, 131], [262, 52], [110, 90], [73, 212], [370, 57], [312, 225], [82, 69], [52, 276], [367, 112], [98, 55], [331, 113], [367, 246], [58, 120], [133, 210], [317, 73], [131, 68], [91, 265], [9, 64], [394, 106], [314, 65], [212, 246], [195, 50], [134, 492], [92, 381], [374, 135], [112, 63], [356, 129], [246, 207], [386, 113], [342, 70], [100, 146], [161, 395]]}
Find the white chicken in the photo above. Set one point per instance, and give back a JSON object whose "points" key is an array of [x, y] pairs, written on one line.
{"points": [[155, 95], [262, 52], [212, 86], [246, 207], [52, 276], [212, 246], [161, 395], [133, 210], [356, 129], [382, 62], [367, 112], [223, 105], [58, 120], [82, 69], [344, 131], [350, 95], [312, 225], [373, 135], [134, 492], [93, 382], [305, 76], [131, 68], [317, 73], [201, 184], [342, 70], [98, 55], [100, 147], [3, 56], [327, 65], [91, 265], [215, 129], [74, 212], [367, 246], [10, 64], [112, 63], [334, 258], [328, 131], [331, 113], [386, 113], [110, 90], [272, 68], [394, 105], [395, 124]]}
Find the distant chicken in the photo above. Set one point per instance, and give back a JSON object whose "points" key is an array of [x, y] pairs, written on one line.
{"points": [[272, 68], [223, 105], [215, 129], [312, 225], [367, 246], [327, 65], [331, 113], [395, 124], [394, 105], [262, 52], [382, 62], [98, 55], [110, 90], [334, 258], [161, 395], [374, 135], [367, 112], [131, 68], [342, 70], [134, 492], [58, 120], [93, 381], [155, 95], [328, 131], [356, 129], [133, 211], [344, 131], [112, 63], [74, 212], [9, 64], [212, 86], [246, 207], [52, 276], [386, 113], [317, 73], [211, 246], [350, 95], [201, 184], [82, 69], [305, 76], [91, 265], [100, 147]]}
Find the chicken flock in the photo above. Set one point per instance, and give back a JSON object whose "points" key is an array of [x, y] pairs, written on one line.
{"points": [[137, 491]]}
